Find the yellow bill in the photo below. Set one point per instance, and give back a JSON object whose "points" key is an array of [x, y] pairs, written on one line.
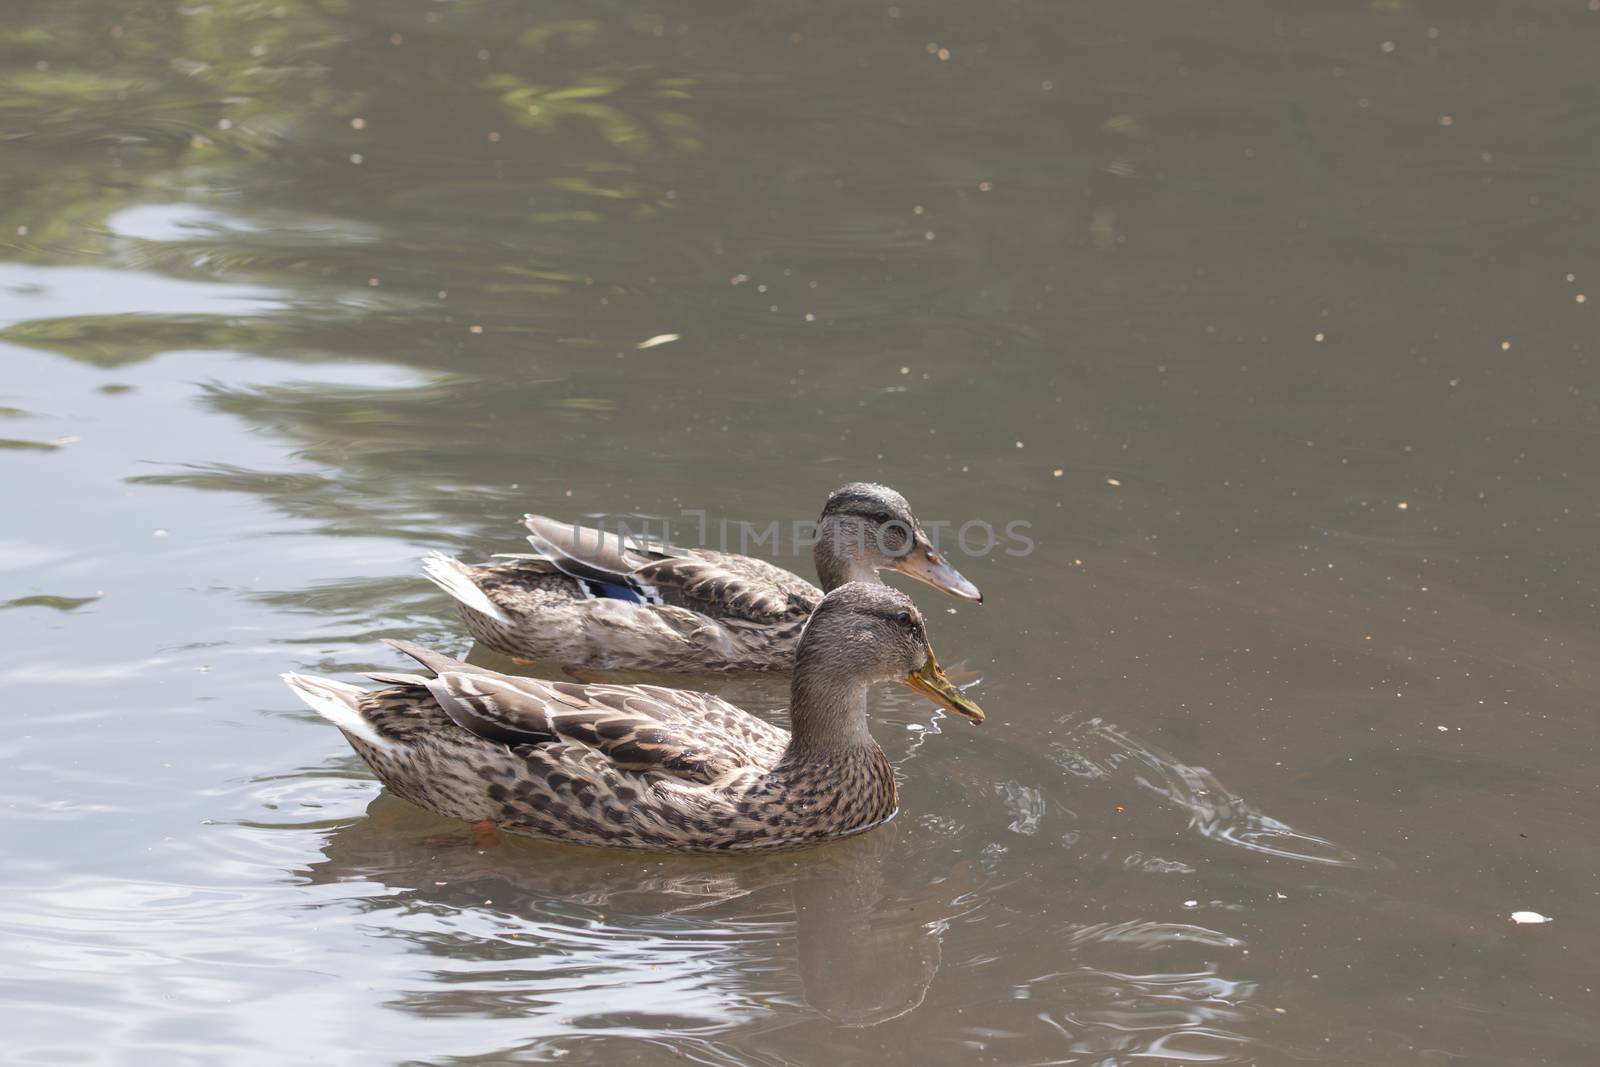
{"points": [[931, 683]]}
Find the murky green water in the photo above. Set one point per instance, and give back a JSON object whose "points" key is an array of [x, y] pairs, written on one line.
{"points": [[1276, 322]]}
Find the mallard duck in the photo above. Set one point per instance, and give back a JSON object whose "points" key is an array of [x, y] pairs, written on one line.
{"points": [[647, 767], [587, 598]]}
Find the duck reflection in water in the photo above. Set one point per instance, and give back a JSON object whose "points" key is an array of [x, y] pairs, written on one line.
{"points": [[524, 926]]}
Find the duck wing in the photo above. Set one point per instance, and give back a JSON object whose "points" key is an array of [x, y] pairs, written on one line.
{"points": [[720, 585], [695, 737], [725, 586], [603, 564]]}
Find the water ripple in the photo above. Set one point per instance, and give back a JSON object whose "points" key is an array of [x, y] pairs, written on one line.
{"points": [[1214, 811]]}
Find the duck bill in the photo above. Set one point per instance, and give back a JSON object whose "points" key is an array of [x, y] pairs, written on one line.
{"points": [[926, 565], [931, 683]]}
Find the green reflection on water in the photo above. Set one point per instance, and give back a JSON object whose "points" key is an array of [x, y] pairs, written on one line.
{"points": [[369, 111]]}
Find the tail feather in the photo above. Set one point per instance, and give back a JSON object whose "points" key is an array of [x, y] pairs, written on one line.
{"points": [[455, 578], [338, 703], [437, 662], [399, 678]]}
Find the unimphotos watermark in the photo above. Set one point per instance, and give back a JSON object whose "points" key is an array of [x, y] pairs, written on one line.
{"points": [[696, 528]]}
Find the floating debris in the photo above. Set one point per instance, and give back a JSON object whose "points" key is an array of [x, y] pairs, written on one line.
{"points": [[18, 444], [58, 603], [1529, 918], [658, 339]]}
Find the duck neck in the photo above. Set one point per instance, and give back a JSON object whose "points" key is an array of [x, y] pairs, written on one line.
{"points": [[827, 716], [832, 767], [840, 554]]}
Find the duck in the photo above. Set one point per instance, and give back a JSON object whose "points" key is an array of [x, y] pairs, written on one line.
{"points": [[647, 767], [586, 598]]}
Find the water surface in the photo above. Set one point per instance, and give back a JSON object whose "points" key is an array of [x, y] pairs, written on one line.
{"points": [[1274, 322]]}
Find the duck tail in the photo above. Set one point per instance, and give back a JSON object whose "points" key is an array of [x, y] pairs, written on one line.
{"points": [[339, 703], [437, 662], [455, 578]]}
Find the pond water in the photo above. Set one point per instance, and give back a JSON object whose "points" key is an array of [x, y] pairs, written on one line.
{"points": [[1274, 323]]}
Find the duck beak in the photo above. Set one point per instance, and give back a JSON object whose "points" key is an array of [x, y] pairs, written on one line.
{"points": [[931, 683], [926, 565]]}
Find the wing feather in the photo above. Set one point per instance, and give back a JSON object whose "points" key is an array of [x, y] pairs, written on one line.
{"points": [[720, 585], [713, 588], [694, 737]]}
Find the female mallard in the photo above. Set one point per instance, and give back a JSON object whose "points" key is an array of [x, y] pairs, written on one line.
{"points": [[643, 766], [590, 599]]}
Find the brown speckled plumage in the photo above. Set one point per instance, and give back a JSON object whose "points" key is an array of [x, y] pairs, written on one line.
{"points": [[695, 609], [545, 616], [643, 766]]}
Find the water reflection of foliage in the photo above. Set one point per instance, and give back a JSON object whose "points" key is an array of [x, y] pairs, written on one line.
{"points": [[264, 109]]}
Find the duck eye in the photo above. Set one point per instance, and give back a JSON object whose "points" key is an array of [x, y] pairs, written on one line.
{"points": [[904, 617], [894, 538]]}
